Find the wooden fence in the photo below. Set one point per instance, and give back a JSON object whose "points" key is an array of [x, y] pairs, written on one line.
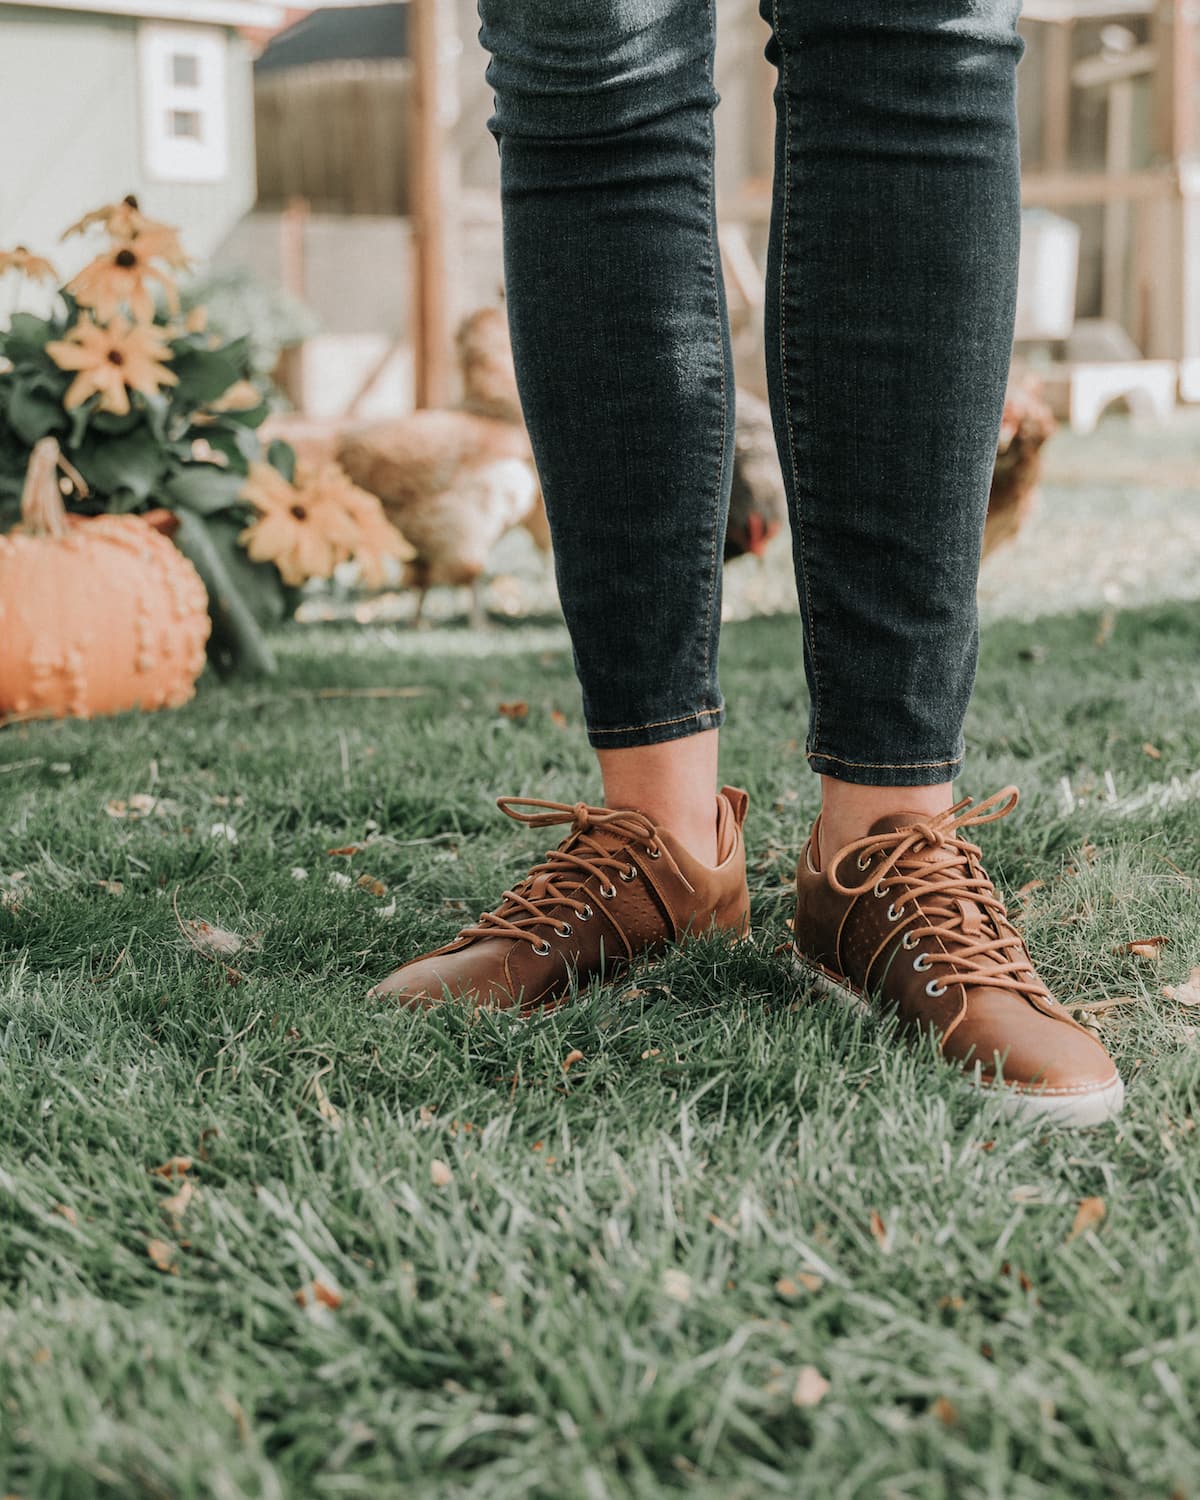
{"points": [[336, 135]]}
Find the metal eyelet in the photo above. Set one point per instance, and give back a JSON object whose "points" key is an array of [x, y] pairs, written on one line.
{"points": [[541, 949], [906, 945], [565, 930], [879, 890], [630, 873], [922, 962], [653, 851], [586, 914], [894, 913], [863, 861], [935, 989], [607, 892]]}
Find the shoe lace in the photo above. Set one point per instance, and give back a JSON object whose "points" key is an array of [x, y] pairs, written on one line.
{"points": [[559, 879], [952, 898]]}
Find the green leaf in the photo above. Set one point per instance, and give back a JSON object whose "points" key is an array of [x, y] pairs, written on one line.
{"points": [[132, 463], [25, 340], [33, 412], [203, 488], [204, 374], [237, 641], [282, 456]]}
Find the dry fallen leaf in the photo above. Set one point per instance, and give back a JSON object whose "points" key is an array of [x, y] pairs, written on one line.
{"points": [[215, 942], [67, 1212], [372, 886], [518, 710], [1030, 885], [945, 1411], [677, 1284], [880, 1233], [558, 718], [112, 887], [325, 1106], [163, 1256], [572, 1057], [440, 1174], [140, 805], [1152, 751], [347, 850], [175, 1166], [810, 1387], [1089, 1213], [1147, 947], [176, 1205], [318, 1293], [1187, 993], [790, 1287]]}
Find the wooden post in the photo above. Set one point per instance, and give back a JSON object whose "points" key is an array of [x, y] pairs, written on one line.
{"points": [[430, 323], [289, 372], [1056, 96]]}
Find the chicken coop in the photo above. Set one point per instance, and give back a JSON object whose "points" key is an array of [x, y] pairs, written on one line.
{"points": [[374, 152]]}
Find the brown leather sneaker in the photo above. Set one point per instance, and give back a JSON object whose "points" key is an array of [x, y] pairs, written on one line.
{"points": [[617, 887], [907, 916]]}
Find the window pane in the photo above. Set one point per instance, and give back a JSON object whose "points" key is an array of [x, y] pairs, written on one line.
{"points": [[185, 70], [185, 124]]}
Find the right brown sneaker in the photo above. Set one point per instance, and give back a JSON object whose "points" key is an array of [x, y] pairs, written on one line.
{"points": [[617, 888], [908, 918]]}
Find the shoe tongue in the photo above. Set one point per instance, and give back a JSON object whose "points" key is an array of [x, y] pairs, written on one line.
{"points": [[972, 915]]}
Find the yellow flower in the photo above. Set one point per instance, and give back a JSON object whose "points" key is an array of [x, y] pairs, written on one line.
{"points": [[33, 266], [112, 362], [304, 529], [125, 221], [120, 276]]}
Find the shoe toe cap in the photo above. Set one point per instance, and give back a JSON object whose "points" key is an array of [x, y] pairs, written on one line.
{"points": [[427, 982]]}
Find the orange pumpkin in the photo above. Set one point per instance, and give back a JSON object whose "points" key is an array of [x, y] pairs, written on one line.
{"points": [[97, 615]]}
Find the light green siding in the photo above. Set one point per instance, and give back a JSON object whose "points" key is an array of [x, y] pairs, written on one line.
{"points": [[70, 132]]}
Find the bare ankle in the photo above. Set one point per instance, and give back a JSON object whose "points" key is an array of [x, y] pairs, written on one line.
{"points": [[849, 810], [672, 783]]}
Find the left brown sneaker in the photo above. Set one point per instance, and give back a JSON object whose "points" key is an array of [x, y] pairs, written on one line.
{"points": [[909, 917]]}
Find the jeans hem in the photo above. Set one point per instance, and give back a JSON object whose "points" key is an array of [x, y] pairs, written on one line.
{"points": [[658, 731], [885, 773]]}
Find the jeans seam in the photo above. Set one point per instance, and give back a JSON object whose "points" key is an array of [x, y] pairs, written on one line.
{"points": [[700, 713], [713, 252], [884, 765], [784, 58]]}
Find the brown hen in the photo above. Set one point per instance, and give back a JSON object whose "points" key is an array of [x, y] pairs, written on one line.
{"points": [[454, 481]]}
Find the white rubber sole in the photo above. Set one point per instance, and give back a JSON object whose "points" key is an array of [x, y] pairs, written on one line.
{"points": [[1077, 1108]]}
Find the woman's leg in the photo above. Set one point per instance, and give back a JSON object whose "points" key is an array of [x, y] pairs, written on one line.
{"points": [[892, 280], [603, 119], [891, 296]]}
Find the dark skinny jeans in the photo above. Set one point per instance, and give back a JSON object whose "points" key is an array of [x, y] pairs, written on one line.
{"points": [[891, 290]]}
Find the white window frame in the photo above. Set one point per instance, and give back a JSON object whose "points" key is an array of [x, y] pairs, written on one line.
{"points": [[171, 158]]}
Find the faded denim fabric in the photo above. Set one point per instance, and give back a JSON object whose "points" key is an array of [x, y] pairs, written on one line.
{"points": [[891, 292]]}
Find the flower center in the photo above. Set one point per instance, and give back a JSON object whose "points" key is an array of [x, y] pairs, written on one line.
{"points": [[299, 512], [115, 357], [125, 258]]}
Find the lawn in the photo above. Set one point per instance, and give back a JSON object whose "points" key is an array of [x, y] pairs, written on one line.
{"points": [[743, 1245]]}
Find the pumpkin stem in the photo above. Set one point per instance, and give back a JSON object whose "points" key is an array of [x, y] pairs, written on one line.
{"points": [[42, 509]]}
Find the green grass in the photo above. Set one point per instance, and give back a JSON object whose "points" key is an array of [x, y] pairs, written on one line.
{"points": [[589, 1308]]}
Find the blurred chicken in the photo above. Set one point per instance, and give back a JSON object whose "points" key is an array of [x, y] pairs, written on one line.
{"points": [[454, 481], [1026, 424], [757, 499]]}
